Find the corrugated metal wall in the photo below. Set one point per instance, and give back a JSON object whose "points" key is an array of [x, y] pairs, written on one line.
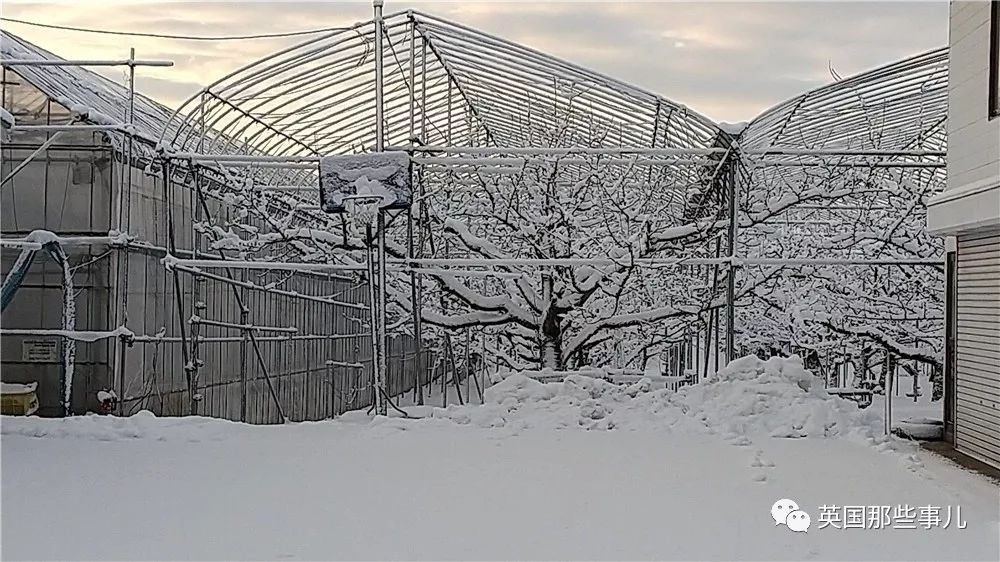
{"points": [[65, 189], [977, 394], [320, 370], [77, 188]]}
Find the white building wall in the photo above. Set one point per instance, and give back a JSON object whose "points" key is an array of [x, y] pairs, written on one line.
{"points": [[970, 210], [973, 137], [972, 199]]}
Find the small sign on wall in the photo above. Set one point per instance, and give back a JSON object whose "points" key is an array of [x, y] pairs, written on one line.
{"points": [[40, 351]]}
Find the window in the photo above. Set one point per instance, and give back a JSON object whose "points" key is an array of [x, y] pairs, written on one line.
{"points": [[994, 59]]}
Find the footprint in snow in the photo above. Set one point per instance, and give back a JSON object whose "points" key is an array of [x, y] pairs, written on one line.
{"points": [[740, 441], [759, 461]]}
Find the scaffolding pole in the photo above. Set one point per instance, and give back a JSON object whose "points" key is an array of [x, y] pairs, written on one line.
{"points": [[379, 79], [733, 193]]}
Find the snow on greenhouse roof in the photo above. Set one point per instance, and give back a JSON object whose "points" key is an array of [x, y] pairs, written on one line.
{"points": [[83, 91]]}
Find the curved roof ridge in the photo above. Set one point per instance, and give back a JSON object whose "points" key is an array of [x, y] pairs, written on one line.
{"points": [[572, 66], [925, 75]]}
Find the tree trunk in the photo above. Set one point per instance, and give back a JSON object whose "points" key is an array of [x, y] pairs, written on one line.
{"points": [[937, 383], [551, 352], [550, 330], [550, 342]]}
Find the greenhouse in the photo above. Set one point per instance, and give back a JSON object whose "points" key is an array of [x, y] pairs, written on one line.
{"points": [[184, 261]]}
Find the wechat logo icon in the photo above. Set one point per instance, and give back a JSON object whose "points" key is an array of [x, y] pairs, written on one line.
{"points": [[786, 512]]}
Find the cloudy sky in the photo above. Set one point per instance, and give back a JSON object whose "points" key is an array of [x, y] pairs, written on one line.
{"points": [[727, 60]]}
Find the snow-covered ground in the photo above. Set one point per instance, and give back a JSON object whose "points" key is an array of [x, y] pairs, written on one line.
{"points": [[535, 473]]}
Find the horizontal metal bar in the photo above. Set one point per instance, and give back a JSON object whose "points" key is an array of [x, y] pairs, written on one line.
{"points": [[838, 261], [77, 335], [28, 243], [235, 339], [271, 290], [548, 262], [850, 164], [261, 165], [296, 162], [249, 158], [463, 272], [840, 152], [653, 262], [291, 188], [520, 161], [59, 62], [841, 208], [65, 128], [248, 327], [490, 150], [287, 266], [332, 363]]}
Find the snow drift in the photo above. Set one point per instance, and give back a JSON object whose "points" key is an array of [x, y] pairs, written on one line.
{"points": [[748, 398], [777, 397], [142, 425]]}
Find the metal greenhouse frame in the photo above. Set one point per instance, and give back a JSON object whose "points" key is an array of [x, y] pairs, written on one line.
{"points": [[479, 114]]}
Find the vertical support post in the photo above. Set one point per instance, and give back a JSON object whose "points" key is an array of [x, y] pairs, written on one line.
{"points": [[413, 78], [244, 341], [733, 193], [372, 305], [449, 123], [890, 383], [131, 84], [416, 300], [123, 342], [331, 376], [682, 355], [189, 366], [718, 342], [423, 91], [445, 340], [378, 308], [481, 372], [383, 336], [444, 373], [468, 370], [379, 85], [711, 322], [196, 304], [376, 297], [122, 256]]}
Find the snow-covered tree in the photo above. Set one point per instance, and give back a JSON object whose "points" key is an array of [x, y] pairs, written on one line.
{"points": [[895, 306]]}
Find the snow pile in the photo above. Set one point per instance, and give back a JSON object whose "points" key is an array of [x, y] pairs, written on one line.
{"points": [[777, 397], [142, 425], [520, 402]]}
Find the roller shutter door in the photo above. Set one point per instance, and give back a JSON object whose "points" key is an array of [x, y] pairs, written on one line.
{"points": [[977, 384]]}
